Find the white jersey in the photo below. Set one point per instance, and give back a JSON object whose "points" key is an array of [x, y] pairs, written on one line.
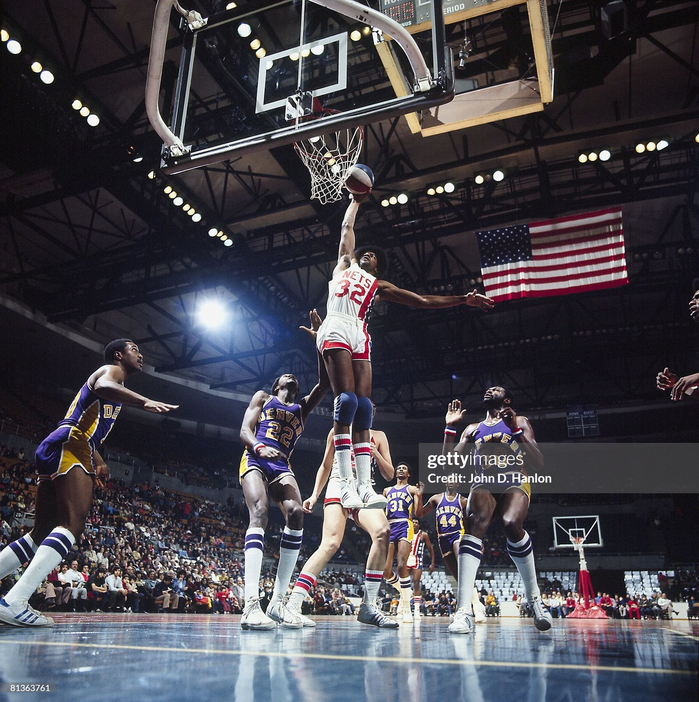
{"points": [[351, 293]]}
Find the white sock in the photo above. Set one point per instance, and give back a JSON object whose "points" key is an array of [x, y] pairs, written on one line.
{"points": [[372, 583], [362, 462], [288, 555], [254, 544], [393, 581], [470, 553], [305, 583], [343, 453], [16, 554], [522, 553], [406, 590], [53, 549]]}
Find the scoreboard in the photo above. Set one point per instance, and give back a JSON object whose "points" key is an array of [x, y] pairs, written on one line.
{"points": [[415, 13]]}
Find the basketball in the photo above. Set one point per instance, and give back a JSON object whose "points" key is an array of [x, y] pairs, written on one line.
{"points": [[360, 179]]}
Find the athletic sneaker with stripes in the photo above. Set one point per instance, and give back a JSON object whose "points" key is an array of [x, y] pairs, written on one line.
{"points": [[369, 615], [21, 614]]}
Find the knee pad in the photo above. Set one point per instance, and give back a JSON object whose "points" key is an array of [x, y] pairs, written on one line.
{"points": [[364, 415], [345, 408]]}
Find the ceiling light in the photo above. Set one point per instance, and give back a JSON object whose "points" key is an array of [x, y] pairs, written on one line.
{"points": [[228, 242], [430, 191], [261, 52], [212, 313], [662, 144], [385, 203], [592, 156], [305, 52], [244, 30], [14, 47], [255, 44], [172, 194], [449, 187], [498, 176], [192, 213], [366, 31], [224, 238], [605, 155], [178, 201], [76, 104], [318, 49], [650, 146], [84, 111], [294, 56], [640, 148], [196, 217], [151, 175], [696, 138], [582, 158], [167, 189], [356, 35], [393, 200], [186, 207], [219, 233], [479, 179], [93, 120], [439, 189], [4, 35], [231, 6], [402, 198], [37, 67], [46, 77], [213, 231]]}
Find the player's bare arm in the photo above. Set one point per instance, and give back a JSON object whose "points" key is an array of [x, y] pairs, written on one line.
{"points": [[381, 452], [390, 293], [101, 469], [347, 238], [428, 506], [322, 474], [416, 491], [430, 548], [247, 428], [314, 398], [513, 422], [107, 383]]}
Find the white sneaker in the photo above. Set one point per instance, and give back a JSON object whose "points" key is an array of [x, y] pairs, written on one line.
{"points": [[463, 622], [22, 615], [479, 614], [307, 621], [416, 611], [284, 616], [542, 617], [370, 498], [349, 497], [407, 615], [254, 618]]}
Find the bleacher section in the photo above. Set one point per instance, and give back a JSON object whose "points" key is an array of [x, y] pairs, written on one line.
{"points": [[642, 582]]}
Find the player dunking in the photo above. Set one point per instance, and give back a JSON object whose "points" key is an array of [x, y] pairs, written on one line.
{"points": [[271, 426], [373, 521], [404, 501], [501, 433], [416, 562], [68, 464], [450, 508], [344, 342]]}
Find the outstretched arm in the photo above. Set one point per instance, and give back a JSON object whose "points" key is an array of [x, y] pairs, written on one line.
{"points": [[347, 239], [427, 507], [106, 383], [390, 293], [314, 398]]}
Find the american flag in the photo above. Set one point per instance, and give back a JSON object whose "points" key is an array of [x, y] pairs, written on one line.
{"points": [[561, 256]]}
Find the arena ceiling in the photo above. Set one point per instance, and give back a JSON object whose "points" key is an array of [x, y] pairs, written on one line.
{"points": [[89, 240]]}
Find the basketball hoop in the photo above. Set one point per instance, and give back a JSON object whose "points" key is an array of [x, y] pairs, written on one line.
{"points": [[329, 158]]}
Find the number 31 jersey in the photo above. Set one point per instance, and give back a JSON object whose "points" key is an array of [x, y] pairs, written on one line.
{"points": [[351, 293]]}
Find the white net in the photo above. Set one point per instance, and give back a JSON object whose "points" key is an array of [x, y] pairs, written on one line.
{"points": [[329, 159]]}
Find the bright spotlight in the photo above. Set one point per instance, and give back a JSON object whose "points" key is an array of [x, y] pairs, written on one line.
{"points": [[593, 156], [662, 144], [224, 238], [306, 52], [255, 44], [605, 155], [439, 189], [167, 189], [177, 202], [172, 194], [192, 213], [231, 6], [402, 198], [37, 67], [393, 200], [84, 111], [14, 47], [366, 31], [696, 137], [213, 231], [261, 52], [385, 203], [46, 77], [244, 30], [431, 191], [196, 217], [479, 179], [356, 35], [640, 148], [212, 314], [449, 187], [228, 242], [498, 176], [582, 158], [76, 104], [4, 36], [186, 207], [318, 49], [138, 159], [93, 120], [650, 146], [151, 175], [294, 56]]}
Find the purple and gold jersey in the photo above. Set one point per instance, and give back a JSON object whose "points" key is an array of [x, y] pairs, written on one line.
{"points": [[279, 425], [92, 416], [400, 504], [449, 515]]}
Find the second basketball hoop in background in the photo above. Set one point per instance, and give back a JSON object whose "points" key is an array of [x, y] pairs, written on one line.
{"points": [[360, 179]]}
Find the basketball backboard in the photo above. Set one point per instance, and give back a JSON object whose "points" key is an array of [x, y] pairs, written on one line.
{"points": [[586, 527], [249, 73]]}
